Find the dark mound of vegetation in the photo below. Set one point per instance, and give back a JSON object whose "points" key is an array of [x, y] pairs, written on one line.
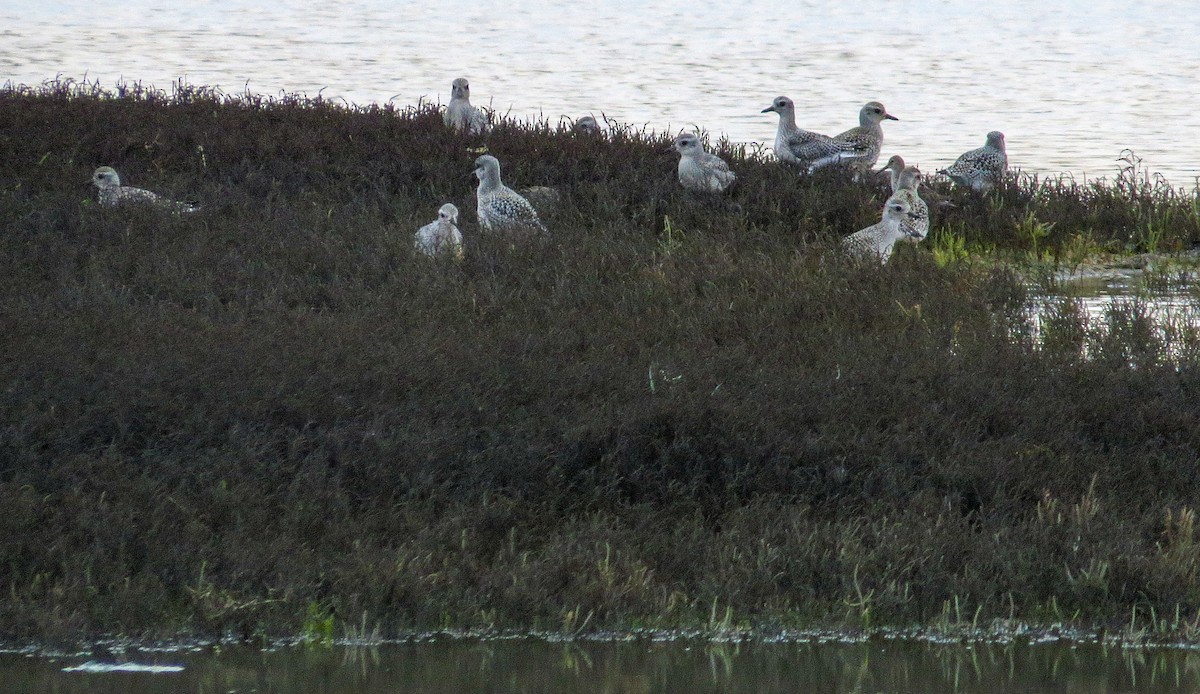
{"points": [[679, 412]]}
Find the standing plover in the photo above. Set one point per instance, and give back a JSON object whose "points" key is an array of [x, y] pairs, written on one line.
{"points": [[981, 169], [460, 114], [500, 208], [701, 171], [792, 144], [857, 147], [905, 181]]}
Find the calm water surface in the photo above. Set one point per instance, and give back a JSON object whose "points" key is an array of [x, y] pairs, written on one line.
{"points": [[536, 666], [1071, 83]]}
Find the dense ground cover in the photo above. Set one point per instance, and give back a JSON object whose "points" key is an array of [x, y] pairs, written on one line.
{"points": [[679, 412]]}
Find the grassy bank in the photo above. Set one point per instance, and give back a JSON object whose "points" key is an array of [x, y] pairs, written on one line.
{"points": [[679, 413]]}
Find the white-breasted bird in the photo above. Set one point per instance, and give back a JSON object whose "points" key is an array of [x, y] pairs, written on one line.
{"points": [[441, 236], [701, 171], [905, 183], [112, 193], [876, 241], [460, 114], [793, 145], [501, 209]]}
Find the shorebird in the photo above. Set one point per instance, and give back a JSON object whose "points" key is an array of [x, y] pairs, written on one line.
{"points": [[112, 193], [876, 241], [460, 114], [905, 181], [894, 166], [794, 145], [857, 147], [442, 235], [587, 125], [981, 169], [701, 171], [500, 208]]}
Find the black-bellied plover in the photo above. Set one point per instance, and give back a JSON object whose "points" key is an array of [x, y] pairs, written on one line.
{"points": [[701, 171], [857, 147], [981, 169], [905, 183], [501, 209], [587, 125], [794, 145], [112, 193], [441, 236], [460, 114], [894, 167], [876, 241], [916, 223]]}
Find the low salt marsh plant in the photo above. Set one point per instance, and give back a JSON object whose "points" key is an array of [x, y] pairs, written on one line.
{"points": [[273, 417]]}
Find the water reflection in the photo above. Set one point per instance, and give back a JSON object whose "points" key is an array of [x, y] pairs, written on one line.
{"points": [[1158, 309], [528, 665], [1071, 83]]}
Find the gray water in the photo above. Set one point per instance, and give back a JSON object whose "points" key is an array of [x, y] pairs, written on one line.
{"points": [[1071, 83], [527, 665]]}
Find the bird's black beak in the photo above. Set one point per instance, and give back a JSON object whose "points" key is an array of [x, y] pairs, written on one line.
{"points": [[768, 109], [890, 116]]}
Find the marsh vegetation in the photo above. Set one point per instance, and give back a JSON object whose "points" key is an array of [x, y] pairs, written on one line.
{"points": [[273, 416]]}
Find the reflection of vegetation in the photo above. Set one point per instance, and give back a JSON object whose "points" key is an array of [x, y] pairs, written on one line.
{"points": [[271, 417]]}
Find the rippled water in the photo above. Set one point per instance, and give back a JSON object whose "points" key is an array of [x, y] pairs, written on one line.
{"points": [[1071, 83], [536, 666]]}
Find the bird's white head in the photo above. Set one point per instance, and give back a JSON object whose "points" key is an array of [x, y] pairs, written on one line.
{"points": [[487, 169], [688, 144], [895, 164], [780, 105], [873, 112], [106, 177], [896, 210], [448, 213], [459, 89]]}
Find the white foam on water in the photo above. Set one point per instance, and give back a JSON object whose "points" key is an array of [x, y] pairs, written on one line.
{"points": [[93, 666]]}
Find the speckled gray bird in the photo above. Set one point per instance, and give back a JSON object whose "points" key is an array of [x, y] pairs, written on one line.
{"points": [[793, 145], [501, 209], [112, 193], [442, 235], [981, 169], [877, 241], [701, 171], [460, 114], [857, 147], [905, 183]]}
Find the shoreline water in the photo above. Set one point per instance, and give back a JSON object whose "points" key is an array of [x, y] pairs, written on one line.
{"points": [[1072, 85]]}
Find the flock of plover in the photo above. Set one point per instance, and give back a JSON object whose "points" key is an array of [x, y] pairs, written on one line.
{"points": [[501, 210]]}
